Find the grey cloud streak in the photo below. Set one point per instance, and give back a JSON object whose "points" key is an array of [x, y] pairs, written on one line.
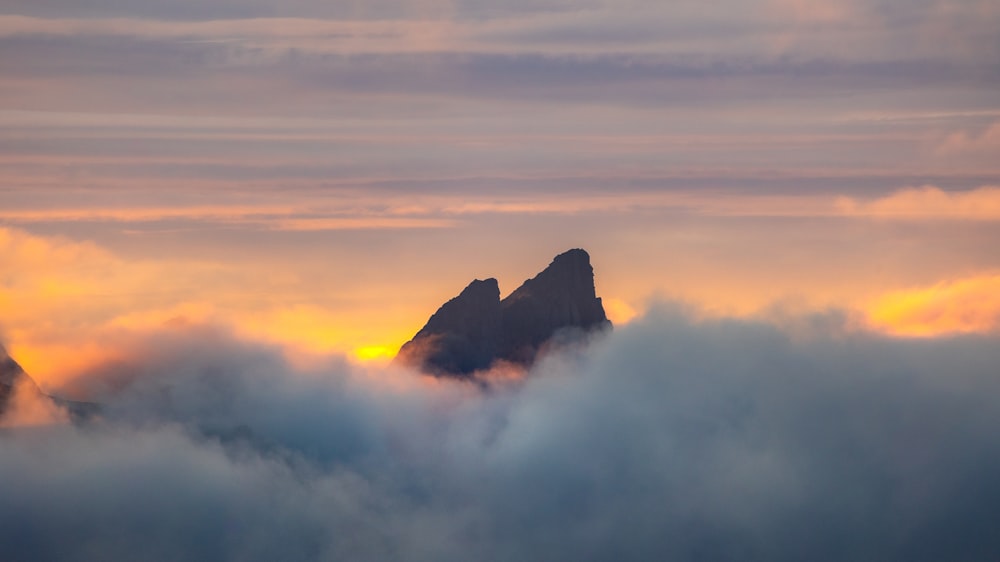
{"points": [[672, 438], [570, 48], [733, 85], [532, 73]]}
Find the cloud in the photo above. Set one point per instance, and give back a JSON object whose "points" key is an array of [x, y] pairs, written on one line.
{"points": [[968, 305], [591, 87], [670, 439], [103, 300], [648, 54], [274, 218], [929, 202], [985, 142], [771, 27], [86, 287], [28, 407]]}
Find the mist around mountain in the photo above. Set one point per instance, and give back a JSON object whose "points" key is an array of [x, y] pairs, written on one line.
{"points": [[675, 437], [22, 402]]}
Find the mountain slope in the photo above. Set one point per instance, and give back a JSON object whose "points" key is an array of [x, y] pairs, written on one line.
{"points": [[560, 297], [473, 330], [463, 336]]}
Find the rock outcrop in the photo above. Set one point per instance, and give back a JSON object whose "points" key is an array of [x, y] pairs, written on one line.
{"points": [[475, 329], [463, 336], [562, 297], [13, 379]]}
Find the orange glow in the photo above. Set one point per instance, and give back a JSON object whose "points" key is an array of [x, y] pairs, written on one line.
{"points": [[375, 353], [100, 300], [618, 311], [309, 328], [67, 306], [965, 306], [181, 314], [307, 332], [52, 364]]}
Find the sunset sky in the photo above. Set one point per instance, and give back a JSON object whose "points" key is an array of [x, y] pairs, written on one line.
{"points": [[322, 175], [220, 220]]}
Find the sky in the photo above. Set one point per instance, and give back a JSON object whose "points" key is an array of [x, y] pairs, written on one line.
{"points": [[220, 220], [323, 175]]}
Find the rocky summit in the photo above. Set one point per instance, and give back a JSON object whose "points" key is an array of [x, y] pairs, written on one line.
{"points": [[475, 329], [463, 336]]}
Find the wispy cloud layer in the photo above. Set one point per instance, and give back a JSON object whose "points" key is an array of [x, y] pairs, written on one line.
{"points": [[251, 96], [670, 439], [929, 202]]}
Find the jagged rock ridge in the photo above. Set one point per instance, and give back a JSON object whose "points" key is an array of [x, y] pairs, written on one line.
{"points": [[560, 297], [473, 330], [463, 336]]}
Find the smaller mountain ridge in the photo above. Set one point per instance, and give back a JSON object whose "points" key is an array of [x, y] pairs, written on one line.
{"points": [[463, 336], [472, 331]]}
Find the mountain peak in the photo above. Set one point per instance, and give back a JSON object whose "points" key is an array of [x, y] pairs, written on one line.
{"points": [[474, 329], [561, 297], [462, 336], [573, 255]]}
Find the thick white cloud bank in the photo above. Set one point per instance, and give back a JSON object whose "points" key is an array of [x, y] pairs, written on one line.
{"points": [[669, 439]]}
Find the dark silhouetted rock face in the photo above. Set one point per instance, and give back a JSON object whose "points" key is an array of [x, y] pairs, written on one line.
{"points": [[11, 375], [463, 336], [476, 328], [561, 297]]}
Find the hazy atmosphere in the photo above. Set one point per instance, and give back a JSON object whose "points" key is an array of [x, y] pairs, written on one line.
{"points": [[220, 221]]}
